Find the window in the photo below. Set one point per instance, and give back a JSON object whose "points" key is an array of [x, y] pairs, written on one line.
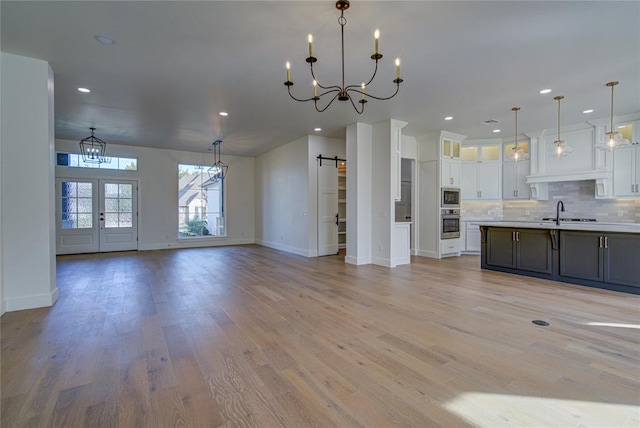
{"points": [[74, 160], [118, 205], [200, 203], [77, 205]]}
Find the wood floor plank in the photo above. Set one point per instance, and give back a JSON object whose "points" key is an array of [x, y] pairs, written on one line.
{"points": [[248, 336]]}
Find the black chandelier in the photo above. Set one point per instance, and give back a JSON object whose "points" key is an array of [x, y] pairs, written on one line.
{"points": [[344, 92], [218, 170], [93, 149]]}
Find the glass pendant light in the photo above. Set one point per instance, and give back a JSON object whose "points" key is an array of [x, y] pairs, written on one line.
{"points": [[517, 153], [559, 147], [613, 140]]}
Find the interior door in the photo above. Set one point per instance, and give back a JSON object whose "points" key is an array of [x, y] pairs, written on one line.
{"points": [[327, 208], [96, 215], [118, 215]]}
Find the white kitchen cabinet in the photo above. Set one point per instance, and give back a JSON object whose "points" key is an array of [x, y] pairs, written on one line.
{"points": [[480, 181], [472, 243], [449, 247], [449, 172], [626, 171], [450, 148], [514, 180]]}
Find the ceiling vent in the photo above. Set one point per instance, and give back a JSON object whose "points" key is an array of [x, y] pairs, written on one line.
{"points": [[489, 122]]}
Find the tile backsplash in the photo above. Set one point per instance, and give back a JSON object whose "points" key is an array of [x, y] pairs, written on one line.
{"points": [[577, 196]]}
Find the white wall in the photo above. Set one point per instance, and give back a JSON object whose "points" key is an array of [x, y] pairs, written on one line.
{"points": [[282, 183], [27, 184], [157, 177], [287, 194]]}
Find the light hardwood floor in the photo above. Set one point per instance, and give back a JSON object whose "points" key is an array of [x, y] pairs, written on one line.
{"points": [[248, 336]]}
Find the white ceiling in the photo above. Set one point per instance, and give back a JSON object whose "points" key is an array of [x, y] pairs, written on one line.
{"points": [[175, 65]]}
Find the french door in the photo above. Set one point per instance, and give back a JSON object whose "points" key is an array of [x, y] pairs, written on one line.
{"points": [[95, 215]]}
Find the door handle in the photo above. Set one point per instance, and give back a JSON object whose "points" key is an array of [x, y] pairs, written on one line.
{"points": [[600, 245], [518, 236], [337, 219], [606, 242], [513, 236]]}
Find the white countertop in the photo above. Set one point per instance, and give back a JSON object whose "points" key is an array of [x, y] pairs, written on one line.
{"points": [[587, 226]]}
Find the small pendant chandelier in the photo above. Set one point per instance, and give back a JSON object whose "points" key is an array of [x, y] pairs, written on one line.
{"points": [[93, 149], [517, 153], [342, 92], [559, 147], [218, 170], [613, 140]]}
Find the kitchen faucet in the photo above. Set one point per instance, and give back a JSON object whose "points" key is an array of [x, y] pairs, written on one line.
{"points": [[559, 207]]}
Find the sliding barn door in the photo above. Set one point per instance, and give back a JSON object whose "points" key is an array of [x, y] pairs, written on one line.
{"points": [[327, 208]]}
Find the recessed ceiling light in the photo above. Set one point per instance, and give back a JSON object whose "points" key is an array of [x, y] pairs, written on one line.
{"points": [[104, 39], [317, 129], [84, 90], [588, 111], [545, 91], [223, 113], [496, 130], [448, 118]]}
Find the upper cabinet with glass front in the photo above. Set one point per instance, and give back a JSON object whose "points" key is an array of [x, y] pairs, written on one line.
{"points": [[486, 152], [450, 148]]}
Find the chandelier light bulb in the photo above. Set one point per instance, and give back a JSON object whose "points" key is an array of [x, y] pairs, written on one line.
{"points": [[310, 39], [315, 88], [376, 36], [288, 71], [397, 68]]}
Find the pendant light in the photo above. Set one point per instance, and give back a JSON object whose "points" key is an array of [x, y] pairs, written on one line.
{"points": [[613, 140], [218, 170], [559, 147], [517, 153], [93, 149]]}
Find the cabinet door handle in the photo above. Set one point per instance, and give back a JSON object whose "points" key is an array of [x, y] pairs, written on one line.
{"points": [[606, 242], [518, 236], [337, 220], [513, 236], [600, 242]]}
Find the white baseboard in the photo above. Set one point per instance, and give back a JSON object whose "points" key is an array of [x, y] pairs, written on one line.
{"points": [[31, 302], [357, 260], [287, 248], [431, 254], [382, 262], [196, 243]]}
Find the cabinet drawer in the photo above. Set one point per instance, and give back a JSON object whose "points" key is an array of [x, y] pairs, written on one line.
{"points": [[449, 246]]}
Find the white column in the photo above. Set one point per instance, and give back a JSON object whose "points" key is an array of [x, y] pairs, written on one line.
{"points": [[385, 179], [27, 184], [359, 190]]}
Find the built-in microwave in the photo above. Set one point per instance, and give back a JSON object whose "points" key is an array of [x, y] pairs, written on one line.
{"points": [[450, 197]]}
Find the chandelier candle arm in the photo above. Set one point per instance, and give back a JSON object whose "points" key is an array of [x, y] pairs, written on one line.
{"points": [[343, 92]]}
